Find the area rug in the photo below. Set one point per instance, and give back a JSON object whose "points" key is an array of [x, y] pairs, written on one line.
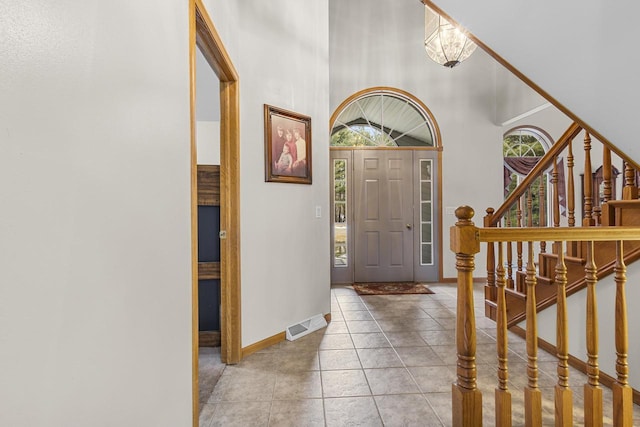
{"points": [[392, 288]]}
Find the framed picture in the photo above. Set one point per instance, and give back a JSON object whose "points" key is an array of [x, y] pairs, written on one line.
{"points": [[287, 146]]}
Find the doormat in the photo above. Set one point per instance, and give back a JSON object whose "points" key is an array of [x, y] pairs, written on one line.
{"points": [[392, 288]]}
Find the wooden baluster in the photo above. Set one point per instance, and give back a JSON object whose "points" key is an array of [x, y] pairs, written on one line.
{"points": [[588, 184], [592, 390], [571, 196], [622, 392], [542, 222], [597, 215], [630, 190], [466, 398], [529, 207], [606, 174], [502, 393], [519, 244], [510, 284], [556, 194], [532, 394], [556, 200], [490, 288], [563, 394]]}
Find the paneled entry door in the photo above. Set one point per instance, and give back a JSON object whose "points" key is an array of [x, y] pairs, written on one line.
{"points": [[384, 217]]}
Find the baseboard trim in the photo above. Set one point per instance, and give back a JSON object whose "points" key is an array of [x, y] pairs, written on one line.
{"points": [[580, 365], [268, 342], [209, 339], [262, 344]]}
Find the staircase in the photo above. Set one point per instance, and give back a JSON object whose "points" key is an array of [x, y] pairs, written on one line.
{"points": [[601, 213], [524, 277]]}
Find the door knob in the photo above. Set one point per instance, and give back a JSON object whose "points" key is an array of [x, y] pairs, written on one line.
{"points": [[409, 227]]}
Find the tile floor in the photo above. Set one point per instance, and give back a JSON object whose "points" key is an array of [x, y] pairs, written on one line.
{"points": [[383, 360]]}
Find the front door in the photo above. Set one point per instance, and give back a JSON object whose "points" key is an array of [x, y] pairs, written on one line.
{"points": [[383, 213]]}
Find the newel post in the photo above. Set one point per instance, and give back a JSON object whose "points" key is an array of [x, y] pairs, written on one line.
{"points": [[466, 398]]}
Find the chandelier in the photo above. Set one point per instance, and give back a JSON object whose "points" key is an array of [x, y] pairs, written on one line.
{"points": [[444, 42]]}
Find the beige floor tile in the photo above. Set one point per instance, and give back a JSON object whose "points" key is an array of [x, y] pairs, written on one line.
{"points": [[379, 358], [406, 410], [440, 337], [405, 339], [242, 385], [206, 414], [362, 326], [370, 340], [390, 381], [348, 298], [241, 414], [433, 379], [419, 356], [296, 413], [298, 385], [344, 383], [351, 373], [336, 342], [331, 360], [352, 306], [351, 411], [337, 327], [356, 315]]}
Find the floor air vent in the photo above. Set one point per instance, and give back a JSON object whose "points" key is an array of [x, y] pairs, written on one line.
{"points": [[306, 327]]}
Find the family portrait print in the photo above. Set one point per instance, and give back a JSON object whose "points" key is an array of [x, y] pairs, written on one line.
{"points": [[287, 146]]}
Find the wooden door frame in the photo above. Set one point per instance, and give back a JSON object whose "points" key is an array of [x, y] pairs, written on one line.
{"points": [[203, 34]]}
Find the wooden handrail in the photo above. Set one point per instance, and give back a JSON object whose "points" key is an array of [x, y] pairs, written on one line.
{"points": [[540, 167], [567, 234]]}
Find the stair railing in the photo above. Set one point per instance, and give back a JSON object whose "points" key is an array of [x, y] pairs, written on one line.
{"points": [[517, 211], [466, 239]]}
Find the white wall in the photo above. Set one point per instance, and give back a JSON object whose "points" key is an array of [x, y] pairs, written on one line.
{"points": [[579, 52], [380, 43], [95, 262], [515, 100], [576, 306], [207, 113], [280, 50]]}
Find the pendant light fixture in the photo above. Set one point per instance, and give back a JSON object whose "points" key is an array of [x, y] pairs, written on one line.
{"points": [[444, 42]]}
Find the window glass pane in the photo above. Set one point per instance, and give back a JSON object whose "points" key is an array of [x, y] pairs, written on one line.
{"points": [[425, 170], [425, 211], [427, 254], [426, 233], [384, 119], [425, 188], [340, 213]]}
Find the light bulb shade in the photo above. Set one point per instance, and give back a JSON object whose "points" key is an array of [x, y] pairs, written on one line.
{"points": [[444, 42]]}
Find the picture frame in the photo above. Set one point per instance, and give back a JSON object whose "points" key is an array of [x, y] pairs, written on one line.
{"points": [[287, 146]]}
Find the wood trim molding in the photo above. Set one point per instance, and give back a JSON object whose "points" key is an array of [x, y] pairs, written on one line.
{"points": [[203, 34], [262, 344], [208, 185], [455, 280], [195, 388], [209, 339], [208, 270], [605, 379]]}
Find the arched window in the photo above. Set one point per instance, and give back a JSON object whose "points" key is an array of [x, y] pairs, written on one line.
{"points": [[382, 119], [522, 148]]}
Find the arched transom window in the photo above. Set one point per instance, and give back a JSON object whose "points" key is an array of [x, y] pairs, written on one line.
{"points": [[382, 119]]}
